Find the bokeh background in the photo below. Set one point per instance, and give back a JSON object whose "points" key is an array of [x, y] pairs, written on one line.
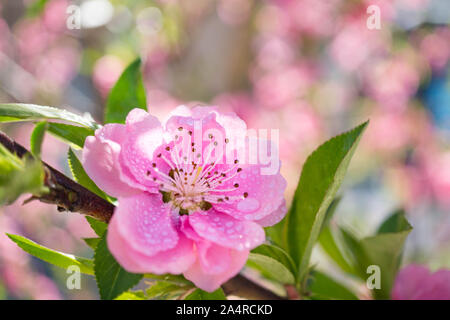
{"points": [[310, 68]]}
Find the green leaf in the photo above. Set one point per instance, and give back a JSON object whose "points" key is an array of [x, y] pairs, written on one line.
{"points": [[12, 112], [199, 294], [19, 176], [270, 268], [132, 295], [92, 242], [275, 233], [162, 290], [273, 262], [62, 260], [325, 288], [320, 179], [36, 8], [330, 212], [128, 93], [276, 253], [37, 136], [178, 280], [112, 279], [396, 222], [81, 176], [98, 226], [383, 250], [328, 243], [73, 135]]}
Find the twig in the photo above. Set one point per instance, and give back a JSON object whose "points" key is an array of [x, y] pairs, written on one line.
{"points": [[71, 196], [64, 192], [242, 287]]}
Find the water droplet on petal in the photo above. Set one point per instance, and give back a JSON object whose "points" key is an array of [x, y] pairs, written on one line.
{"points": [[248, 205]]}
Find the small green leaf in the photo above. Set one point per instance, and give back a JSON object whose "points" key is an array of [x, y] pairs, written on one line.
{"points": [[98, 226], [128, 93], [81, 176], [199, 294], [62, 260], [112, 279], [19, 176], [175, 279], [276, 253], [270, 268], [37, 136], [273, 263], [12, 112], [383, 250], [162, 290], [330, 211], [73, 135], [320, 179], [328, 243], [36, 8], [396, 222], [92, 242], [325, 288], [132, 295]]}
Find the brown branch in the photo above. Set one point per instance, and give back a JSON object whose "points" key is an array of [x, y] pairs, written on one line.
{"points": [[242, 287], [63, 191], [71, 196]]}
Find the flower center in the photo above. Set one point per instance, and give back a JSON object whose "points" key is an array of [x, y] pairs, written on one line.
{"points": [[190, 186]]}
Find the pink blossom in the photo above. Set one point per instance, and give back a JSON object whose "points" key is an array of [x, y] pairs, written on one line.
{"points": [[311, 17], [276, 89], [435, 47], [106, 71], [392, 82], [415, 282], [354, 44], [389, 133], [55, 15], [438, 174], [177, 214]]}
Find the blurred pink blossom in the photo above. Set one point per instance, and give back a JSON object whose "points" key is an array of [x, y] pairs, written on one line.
{"points": [[58, 66], [354, 44], [106, 71], [388, 132], [55, 16], [311, 17], [391, 82], [438, 174], [416, 282], [276, 89], [435, 47]]}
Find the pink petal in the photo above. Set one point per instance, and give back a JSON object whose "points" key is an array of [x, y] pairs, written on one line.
{"points": [[227, 231], [205, 280], [213, 258], [176, 260], [101, 161], [144, 136], [264, 194], [145, 221], [274, 217]]}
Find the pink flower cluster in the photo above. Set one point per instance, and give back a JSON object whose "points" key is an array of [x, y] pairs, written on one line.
{"points": [[175, 214]]}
